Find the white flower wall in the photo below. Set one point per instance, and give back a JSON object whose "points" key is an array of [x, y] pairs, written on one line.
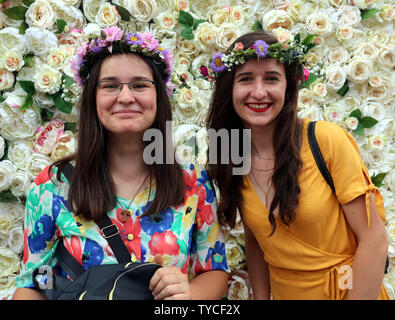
{"points": [[351, 83]]}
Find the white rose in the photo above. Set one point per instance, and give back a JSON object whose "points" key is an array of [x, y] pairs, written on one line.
{"points": [[91, 7], [48, 80], [237, 15], [305, 98], [107, 15], [185, 154], [182, 75], [205, 36], [227, 33], [6, 224], [349, 15], [18, 152], [7, 79], [144, 10], [362, 4], [333, 113], [274, 19], [312, 113], [2, 147], [297, 10], [376, 142], [319, 90], [166, 20], [386, 14], [20, 184], [337, 3], [352, 123], [40, 41], [200, 60], [181, 5], [187, 47], [56, 57], [337, 55], [201, 8], [15, 239], [3, 19], [335, 77], [12, 61], [283, 35], [351, 102], [15, 210], [319, 23], [387, 57], [374, 109], [40, 14], [7, 170], [9, 262], [375, 159], [359, 70], [7, 286], [280, 4], [36, 163], [313, 57], [367, 50], [202, 143], [11, 40], [238, 289], [91, 29], [389, 182], [65, 146], [187, 109], [219, 16], [70, 14], [234, 254], [379, 92]]}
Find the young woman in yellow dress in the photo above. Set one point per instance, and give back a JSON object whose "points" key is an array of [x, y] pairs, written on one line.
{"points": [[302, 240]]}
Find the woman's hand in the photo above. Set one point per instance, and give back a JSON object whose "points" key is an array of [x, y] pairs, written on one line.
{"points": [[169, 283]]}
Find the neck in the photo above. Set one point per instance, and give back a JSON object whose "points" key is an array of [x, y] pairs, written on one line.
{"points": [[262, 141], [125, 157]]}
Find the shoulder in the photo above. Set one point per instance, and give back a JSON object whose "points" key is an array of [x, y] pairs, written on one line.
{"points": [[330, 135], [195, 174], [45, 176]]}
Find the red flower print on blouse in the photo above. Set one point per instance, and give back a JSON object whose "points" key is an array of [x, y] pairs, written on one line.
{"points": [[43, 176], [205, 215], [26, 233], [130, 232], [164, 243], [74, 247]]}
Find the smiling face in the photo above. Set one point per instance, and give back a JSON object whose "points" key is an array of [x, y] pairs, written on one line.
{"points": [[259, 92], [126, 112]]}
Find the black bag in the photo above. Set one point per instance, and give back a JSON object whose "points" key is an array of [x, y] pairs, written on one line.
{"points": [[124, 281], [315, 149]]}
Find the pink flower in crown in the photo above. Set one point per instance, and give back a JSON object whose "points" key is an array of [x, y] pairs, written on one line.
{"points": [[238, 46], [81, 51], [149, 41], [113, 33]]}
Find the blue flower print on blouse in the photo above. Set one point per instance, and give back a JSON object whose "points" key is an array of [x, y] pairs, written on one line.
{"points": [[44, 230], [150, 224], [217, 256], [92, 254]]}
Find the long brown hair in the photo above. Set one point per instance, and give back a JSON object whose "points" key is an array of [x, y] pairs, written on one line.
{"points": [[286, 141], [92, 189]]}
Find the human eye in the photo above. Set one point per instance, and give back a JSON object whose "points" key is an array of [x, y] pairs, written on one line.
{"points": [[140, 85], [245, 79], [109, 85], [272, 79]]}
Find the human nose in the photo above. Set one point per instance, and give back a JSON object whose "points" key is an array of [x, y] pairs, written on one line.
{"points": [[258, 90], [125, 95]]}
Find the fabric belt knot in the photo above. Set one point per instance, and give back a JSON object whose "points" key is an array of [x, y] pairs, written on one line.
{"points": [[338, 278]]}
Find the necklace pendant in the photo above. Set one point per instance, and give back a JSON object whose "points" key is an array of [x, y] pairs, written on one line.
{"points": [[125, 213]]}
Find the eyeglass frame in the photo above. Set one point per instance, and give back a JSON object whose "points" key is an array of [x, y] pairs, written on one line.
{"points": [[123, 83]]}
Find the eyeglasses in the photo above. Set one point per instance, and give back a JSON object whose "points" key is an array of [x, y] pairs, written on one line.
{"points": [[111, 87]]}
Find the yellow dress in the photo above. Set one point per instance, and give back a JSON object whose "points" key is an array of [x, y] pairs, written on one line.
{"points": [[311, 258]]}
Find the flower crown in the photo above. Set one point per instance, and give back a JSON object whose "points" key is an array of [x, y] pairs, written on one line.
{"points": [[112, 41], [285, 52]]}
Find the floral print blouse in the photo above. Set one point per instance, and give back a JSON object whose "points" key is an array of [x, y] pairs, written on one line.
{"points": [[187, 236]]}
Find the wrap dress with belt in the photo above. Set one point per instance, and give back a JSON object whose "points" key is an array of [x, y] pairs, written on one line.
{"points": [[312, 257]]}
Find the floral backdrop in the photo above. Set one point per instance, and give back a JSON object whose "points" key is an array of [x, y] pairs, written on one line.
{"points": [[351, 83]]}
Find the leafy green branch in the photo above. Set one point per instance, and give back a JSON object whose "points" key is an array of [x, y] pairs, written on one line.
{"points": [[189, 24], [363, 122]]}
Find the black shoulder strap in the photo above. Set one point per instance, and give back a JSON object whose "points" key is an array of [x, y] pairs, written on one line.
{"points": [[315, 149], [109, 230]]}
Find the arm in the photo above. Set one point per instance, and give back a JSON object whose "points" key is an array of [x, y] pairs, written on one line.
{"points": [[169, 283], [28, 294], [369, 261], [258, 269]]}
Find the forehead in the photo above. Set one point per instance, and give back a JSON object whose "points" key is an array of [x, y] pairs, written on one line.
{"points": [[125, 66], [263, 65]]}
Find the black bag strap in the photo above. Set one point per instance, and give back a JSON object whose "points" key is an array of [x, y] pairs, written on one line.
{"points": [[321, 165], [315, 149], [109, 231]]}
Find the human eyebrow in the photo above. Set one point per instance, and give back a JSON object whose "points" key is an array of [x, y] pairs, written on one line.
{"points": [[113, 78], [273, 73], [243, 74]]}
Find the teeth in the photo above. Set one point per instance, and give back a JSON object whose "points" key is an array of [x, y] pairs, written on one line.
{"points": [[258, 106]]}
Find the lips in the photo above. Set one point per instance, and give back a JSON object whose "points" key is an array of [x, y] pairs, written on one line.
{"points": [[258, 107]]}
